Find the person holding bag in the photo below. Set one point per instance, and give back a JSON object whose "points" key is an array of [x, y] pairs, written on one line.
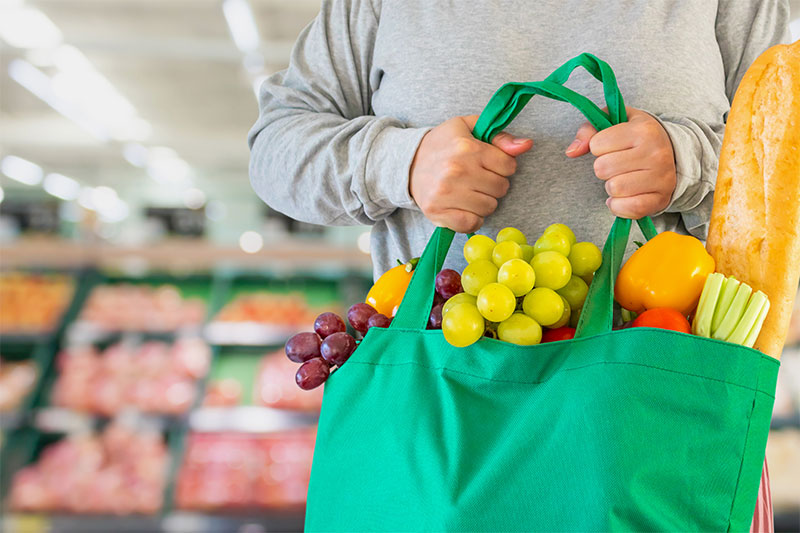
{"points": [[458, 181]]}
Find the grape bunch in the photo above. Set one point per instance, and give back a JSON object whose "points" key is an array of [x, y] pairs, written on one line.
{"points": [[329, 345], [511, 289]]}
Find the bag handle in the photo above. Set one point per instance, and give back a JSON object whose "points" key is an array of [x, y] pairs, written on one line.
{"points": [[503, 107]]}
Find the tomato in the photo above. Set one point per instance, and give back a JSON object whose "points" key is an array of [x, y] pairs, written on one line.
{"points": [[664, 318], [558, 334]]}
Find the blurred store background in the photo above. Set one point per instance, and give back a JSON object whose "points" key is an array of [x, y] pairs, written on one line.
{"points": [[145, 291]]}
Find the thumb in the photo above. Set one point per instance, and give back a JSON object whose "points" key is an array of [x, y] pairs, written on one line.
{"points": [[509, 144], [580, 146]]}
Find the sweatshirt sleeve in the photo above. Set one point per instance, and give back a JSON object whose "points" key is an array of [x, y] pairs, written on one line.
{"points": [[744, 30], [318, 154]]}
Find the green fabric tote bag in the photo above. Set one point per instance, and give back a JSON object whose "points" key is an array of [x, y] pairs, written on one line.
{"points": [[639, 429]]}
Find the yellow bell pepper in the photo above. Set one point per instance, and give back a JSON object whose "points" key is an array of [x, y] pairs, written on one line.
{"points": [[667, 271], [388, 291]]}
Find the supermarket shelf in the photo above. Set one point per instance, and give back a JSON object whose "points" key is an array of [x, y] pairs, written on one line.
{"points": [[175, 522], [787, 521], [181, 254], [248, 419], [784, 422], [248, 334], [61, 420]]}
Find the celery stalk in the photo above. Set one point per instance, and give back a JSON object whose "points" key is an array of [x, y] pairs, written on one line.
{"points": [[728, 291], [753, 335], [748, 320], [734, 313], [708, 302]]}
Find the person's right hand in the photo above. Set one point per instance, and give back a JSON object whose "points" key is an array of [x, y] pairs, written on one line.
{"points": [[456, 180]]}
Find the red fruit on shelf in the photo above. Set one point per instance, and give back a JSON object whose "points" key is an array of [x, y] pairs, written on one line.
{"points": [[275, 386], [558, 334]]}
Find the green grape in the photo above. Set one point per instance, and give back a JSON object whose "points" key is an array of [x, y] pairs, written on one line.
{"points": [[565, 316], [563, 228], [496, 302], [478, 247], [518, 276], [506, 251], [543, 305], [588, 278], [574, 317], [463, 325], [552, 269], [520, 329], [527, 252], [459, 298], [478, 274], [554, 240], [575, 292], [585, 258], [511, 234]]}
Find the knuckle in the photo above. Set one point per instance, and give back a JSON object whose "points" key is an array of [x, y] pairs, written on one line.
{"points": [[452, 169], [464, 146]]}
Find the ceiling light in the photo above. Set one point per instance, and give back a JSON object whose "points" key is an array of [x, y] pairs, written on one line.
{"points": [[27, 27], [38, 83], [251, 242], [62, 187], [135, 154], [85, 198], [21, 170], [242, 24], [194, 198]]}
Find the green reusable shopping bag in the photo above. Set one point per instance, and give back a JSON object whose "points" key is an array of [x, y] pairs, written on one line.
{"points": [[640, 429]]}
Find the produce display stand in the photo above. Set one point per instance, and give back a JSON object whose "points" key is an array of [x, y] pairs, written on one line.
{"points": [[39, 423]]}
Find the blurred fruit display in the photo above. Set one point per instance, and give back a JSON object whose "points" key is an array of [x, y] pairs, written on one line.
{"points": [[33, 303], [230, 471], [153, 377], [131, 307], [16, 381], [275, 385], [118, 472], [261, 318]]}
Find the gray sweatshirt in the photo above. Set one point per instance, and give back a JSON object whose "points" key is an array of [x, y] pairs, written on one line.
{"points": [[338, 129]]}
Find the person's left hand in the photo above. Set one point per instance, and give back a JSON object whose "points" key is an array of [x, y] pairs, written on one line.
{"points": [[636, 161]]}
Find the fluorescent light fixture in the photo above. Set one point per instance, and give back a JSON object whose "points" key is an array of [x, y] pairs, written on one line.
{"points": [[105, 202], [85, 198], [27, 27], [135, 154], [242, 24], [62, 186], [38, 83], [194, 198], [251, 242], [21, 170], [167, 168]]}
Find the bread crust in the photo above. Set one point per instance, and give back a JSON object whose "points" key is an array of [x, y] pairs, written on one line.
{"points": [[754, 233]]}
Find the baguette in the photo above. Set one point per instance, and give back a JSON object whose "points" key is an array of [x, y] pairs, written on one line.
{"points": [[754, 234]]}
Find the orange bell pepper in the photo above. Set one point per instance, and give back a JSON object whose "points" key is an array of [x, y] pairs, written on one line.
{"points": [[667, 271], [388, 291]]}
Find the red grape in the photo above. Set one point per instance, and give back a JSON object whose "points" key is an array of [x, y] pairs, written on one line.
{"points": [[435, 318], [358, 316], [448, 283], [378, 320], [312, 373], [438, 299], [328, 323], [337, 348], [303, 346]]}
